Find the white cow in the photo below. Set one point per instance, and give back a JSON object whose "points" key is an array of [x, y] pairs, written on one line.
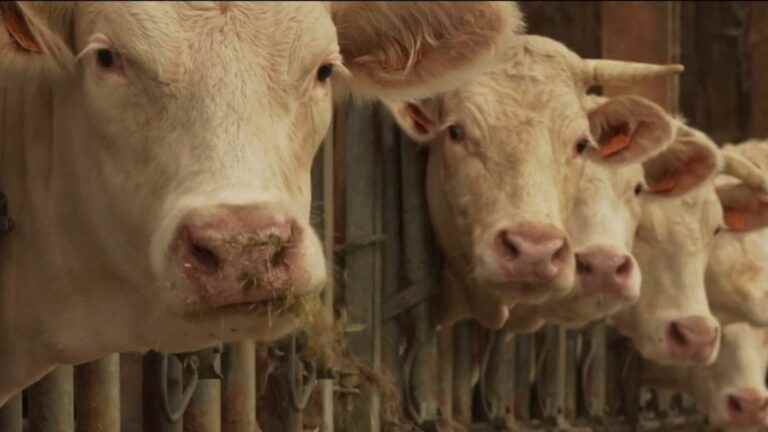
{"points": [[672, 323], [506, 152], [732, 390], [156, 157], [737, 273]]}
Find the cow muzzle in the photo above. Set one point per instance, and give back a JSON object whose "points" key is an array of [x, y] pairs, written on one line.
{"points": [[603, 270], [235, 255], [747, 407]]}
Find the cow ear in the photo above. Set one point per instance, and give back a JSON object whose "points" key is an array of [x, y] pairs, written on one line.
{"points": [[32, 38], [629, 129], [412, 50], [420, 120], [691, 160], [744, 208]]}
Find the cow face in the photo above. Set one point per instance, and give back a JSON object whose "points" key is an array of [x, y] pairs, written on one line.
{"points": [[184, 138], [737, 273], [672, 322], [507, 153], [732, 390]]}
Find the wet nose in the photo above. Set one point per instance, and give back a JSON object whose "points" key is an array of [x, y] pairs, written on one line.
{"points": [[747, 407], [533, 253], [693, 339], [608, 271], [236, 254]]}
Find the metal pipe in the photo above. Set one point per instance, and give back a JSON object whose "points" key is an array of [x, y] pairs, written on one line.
{"points": [[98, 395], [238, 412], [51, 402], [155, 419], [204, 411]]}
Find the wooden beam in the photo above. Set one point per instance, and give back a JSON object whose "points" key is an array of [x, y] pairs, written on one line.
{"points": [[644, 31], [757, 45]]}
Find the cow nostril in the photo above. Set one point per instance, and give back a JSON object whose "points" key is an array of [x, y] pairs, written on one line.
{"points": [[205, 257], [582, 267], [561, 253], [625, 268], [677, 336], [734, 404], [509, 246]]}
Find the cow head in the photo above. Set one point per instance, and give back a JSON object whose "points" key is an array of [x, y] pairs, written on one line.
{"points": [[608, 205], [732, 390], [506, 151], [178, 192], [737, 273], [672, 322]]}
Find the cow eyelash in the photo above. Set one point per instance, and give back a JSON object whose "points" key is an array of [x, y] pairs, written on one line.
{"points": [[105, 55], [639, 188]]}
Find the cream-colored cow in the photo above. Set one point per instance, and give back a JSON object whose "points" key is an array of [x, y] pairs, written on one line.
{"points": [[156, 157]]}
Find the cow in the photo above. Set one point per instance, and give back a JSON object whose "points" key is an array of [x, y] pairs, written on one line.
{"points": [[505, 155], [672, 323], [732, 390], [156, 159], [737, 272]]}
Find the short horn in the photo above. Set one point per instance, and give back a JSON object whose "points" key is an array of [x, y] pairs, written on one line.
{"points": [[737, 166], [598, 72]]}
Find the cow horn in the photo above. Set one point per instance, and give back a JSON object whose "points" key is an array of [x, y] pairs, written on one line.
{"points": [[744, 170], [598, 71]]}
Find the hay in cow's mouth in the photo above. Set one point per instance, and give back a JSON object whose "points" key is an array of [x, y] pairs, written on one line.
{"points": [[303, 307]]}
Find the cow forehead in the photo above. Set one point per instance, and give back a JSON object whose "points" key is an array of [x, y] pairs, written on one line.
{"points": [[175, 38], [687, 222]]}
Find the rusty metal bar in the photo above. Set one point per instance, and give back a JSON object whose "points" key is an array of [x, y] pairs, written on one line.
{"points": [[466, 333], [238, 413], [51, 402], [97, 395], [420, 270], [155, 419], [10, 415], [204, 411]]}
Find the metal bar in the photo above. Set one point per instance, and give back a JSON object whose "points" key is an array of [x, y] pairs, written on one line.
{"points": [[464, 367], [204, 411], [238, 412], [131, 389], [10, 415], [51, 402], [155, 419], [97, 394], [329, 231]]}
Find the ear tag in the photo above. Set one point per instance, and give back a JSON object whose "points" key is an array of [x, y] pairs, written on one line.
{"points": [[616, 144], [735, 219]]}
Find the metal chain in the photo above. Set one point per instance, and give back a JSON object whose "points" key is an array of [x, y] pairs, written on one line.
{"points": [[191, 362]]}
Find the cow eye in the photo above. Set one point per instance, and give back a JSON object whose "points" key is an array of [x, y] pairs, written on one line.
{"points": [[582, 145], [456, 132], [638, 189], [106, 58], [717, 230], [324, 72]]}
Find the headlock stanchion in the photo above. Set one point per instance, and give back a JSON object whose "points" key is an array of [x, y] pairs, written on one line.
{"points": [[204, 411], [51, 404], [239, 387]]}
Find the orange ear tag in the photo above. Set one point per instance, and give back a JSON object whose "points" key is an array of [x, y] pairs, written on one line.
{"points": [[616, 144], [735, 219], [19, 30], [665, 185]]}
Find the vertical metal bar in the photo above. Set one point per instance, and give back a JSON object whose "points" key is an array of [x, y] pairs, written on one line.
{"points": [[238, 413], [329, 230], [464, 369], [204, 411], [10, 415], [97, 394], [131, 388], [596, 376], [420, 266], [362, 292], [500, 376], [51, 402], [445, 337], [525, 355], [154, 417]]}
